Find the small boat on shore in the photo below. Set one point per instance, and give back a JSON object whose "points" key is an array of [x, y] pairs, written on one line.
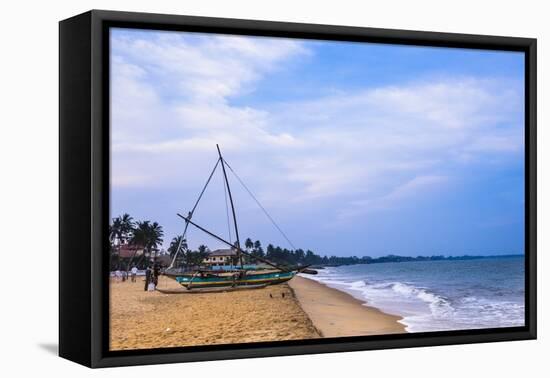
{"points": [[235, 279], [239, 277]]}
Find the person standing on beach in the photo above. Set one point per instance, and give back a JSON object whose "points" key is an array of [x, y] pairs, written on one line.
{"points": [[118, 274], [148, 274], [156, 274], [134, 273]]}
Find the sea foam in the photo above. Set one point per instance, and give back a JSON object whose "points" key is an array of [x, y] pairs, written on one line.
{"points": [[428, 300]]}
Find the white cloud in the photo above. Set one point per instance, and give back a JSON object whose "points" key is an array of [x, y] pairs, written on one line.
{"points": [[374, 141], [170, 101], [174, 99], [202, 67]]}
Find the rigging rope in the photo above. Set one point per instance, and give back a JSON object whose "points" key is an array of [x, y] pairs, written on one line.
{"points": [[227, 209], [205, 185], [191, 214], [259, 204]]}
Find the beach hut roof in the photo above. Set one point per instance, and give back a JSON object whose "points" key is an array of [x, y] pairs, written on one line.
{"points": [[130, 250], [223, 252]]}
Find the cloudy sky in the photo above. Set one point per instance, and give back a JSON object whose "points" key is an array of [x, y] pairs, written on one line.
{"points": [[354, 149]]}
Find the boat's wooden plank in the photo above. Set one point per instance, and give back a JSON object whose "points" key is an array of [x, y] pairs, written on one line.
{"points": [[210, 290]]}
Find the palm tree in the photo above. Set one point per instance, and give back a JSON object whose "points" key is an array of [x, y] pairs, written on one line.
{"points": [[248, 244], [177, 242], [122, 228], [155, 236], [139, 238], [140, 233], [119, 232], [270, 251], [201, 254], [147, 235], [258, 251], [115, 231], [126, 227]]}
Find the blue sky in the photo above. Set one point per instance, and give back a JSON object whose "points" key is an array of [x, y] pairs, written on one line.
{"points": [[355, 149]]}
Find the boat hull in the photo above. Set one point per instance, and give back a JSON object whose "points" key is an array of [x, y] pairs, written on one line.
{"points": [[235, 280]]}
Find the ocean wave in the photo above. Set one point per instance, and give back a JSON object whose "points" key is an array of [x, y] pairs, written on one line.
{"points": [[424, 310], [439, 305], [493, 312], [378, 292]]}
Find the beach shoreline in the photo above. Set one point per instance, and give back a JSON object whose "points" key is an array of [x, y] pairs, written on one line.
{"points": [[301, 309], [335, 313]]}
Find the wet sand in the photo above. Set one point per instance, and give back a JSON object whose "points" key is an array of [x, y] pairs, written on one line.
{"points": [[338, 314]]}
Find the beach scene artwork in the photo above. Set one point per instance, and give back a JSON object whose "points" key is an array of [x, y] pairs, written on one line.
{"points": [[269, 189]]}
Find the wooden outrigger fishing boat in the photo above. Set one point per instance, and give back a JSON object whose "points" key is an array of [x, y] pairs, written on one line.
{"points": [[238, 278], [235, 279]]}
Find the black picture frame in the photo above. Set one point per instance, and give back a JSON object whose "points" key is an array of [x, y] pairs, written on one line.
{"points": [[84, 187]]}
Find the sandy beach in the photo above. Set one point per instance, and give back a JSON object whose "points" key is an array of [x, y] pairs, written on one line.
{"points": [[303, 309], [338, 314], [140, 319]]}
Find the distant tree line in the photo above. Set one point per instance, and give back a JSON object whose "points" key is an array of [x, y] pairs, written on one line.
{"points": [[185, 256], [299, 257], [149, 235]]}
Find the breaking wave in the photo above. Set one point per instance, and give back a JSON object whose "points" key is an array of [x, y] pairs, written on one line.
{"points": [[427, 307]]}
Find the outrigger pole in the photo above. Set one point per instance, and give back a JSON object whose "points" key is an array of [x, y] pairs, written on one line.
{"points": [[232, 208], [229, 244]]}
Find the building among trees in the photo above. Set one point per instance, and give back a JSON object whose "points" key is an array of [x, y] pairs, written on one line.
{"points": [[220, 257]]}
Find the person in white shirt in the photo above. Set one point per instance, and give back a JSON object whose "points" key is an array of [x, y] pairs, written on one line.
{"points": [[118, 275], [134, 273]]}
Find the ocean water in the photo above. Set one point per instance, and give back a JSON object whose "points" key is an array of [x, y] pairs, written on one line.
{"points": [[438, 295]]}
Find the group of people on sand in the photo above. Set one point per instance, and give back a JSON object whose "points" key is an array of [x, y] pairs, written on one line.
{"points": [[152, 274], [122, 276]]}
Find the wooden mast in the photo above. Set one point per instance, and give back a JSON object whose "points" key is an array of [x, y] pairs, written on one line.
{"points": [[232, 207]]}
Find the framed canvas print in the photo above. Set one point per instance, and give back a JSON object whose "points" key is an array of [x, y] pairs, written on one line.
{"points": [[235, 188]]}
